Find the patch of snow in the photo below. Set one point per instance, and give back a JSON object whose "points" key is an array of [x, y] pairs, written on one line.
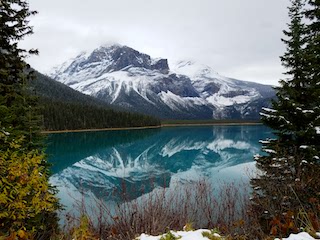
{"points": [[299, 236], [264, 141], [266, 115], [154, 60], [5, 133], [303, 147], [221, 101], [269, 151], [256, 156], [117, 92], [184, 235], [175, 102], [274, 116], [197, 235], [317, 130], [276, 165], [307, 111], [269, 110], [192, 69], [113, 83], [139, 59], [59, 70], [283, 118]]}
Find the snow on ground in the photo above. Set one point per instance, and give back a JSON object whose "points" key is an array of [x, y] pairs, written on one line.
{"points": [[299, 236], [197, 235], [190, 235]]}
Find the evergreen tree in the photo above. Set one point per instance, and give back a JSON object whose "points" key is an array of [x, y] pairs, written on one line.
{"points": [[313, 56], [27, 202], [313, 46], [289, 171], [17, 108]]}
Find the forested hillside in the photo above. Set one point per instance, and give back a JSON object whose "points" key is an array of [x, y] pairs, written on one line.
{"points": [[66, 109], [45, 87]]}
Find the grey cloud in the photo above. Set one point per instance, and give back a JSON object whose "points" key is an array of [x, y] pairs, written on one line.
{"points": [[239, 39]]}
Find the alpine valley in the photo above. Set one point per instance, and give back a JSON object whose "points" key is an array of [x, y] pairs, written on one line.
{"points": [[126, 78]]}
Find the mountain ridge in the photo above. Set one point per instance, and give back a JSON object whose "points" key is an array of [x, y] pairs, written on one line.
{"points": [[124, 77], [63, 108]]}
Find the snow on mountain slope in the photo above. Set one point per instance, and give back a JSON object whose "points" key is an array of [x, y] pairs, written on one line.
{"points": [[125, 77], [218, 90]]}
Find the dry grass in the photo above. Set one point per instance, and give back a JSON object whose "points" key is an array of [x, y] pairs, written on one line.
{"points": [[198, 203]]}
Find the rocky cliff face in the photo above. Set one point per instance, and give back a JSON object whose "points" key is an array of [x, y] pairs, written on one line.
{"points": [[122, 76]]}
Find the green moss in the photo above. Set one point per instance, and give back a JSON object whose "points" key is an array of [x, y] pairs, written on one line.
{"points": [[169, 236], [212, 235]]}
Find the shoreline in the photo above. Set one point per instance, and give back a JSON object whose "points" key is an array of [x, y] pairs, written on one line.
{"points": [[211, 124], [155, 127], [100, 129]]}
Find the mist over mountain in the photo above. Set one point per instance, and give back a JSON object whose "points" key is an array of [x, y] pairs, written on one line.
{"points": [[124, 77]]}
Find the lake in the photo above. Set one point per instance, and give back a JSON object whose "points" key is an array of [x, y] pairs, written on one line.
{"points": [[99, 165]]}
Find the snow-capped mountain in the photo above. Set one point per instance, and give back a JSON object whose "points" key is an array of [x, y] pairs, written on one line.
{"points": [[124, 77]]}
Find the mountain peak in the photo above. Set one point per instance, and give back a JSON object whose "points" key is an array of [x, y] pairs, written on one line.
{"points": [[124, 56], [194, 69], [107, 58], [111, 45], [125, 77]]}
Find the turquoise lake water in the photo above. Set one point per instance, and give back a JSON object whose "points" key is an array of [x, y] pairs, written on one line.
{"points": [[97, 165]]}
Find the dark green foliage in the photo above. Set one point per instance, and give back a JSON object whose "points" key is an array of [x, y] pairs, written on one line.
{"points": [[45, 87], [313, 47], [66, 109], [70, 116], [15, 106], [288, 182], [24, 169]]}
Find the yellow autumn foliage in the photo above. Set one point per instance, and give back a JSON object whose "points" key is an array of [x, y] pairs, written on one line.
{"points": [[25, 195]]}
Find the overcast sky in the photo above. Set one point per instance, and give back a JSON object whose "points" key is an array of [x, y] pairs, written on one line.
{"points": [[237, 38]]}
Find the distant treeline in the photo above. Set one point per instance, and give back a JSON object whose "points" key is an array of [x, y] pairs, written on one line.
{"points": [[70, 116], [63, 108]]}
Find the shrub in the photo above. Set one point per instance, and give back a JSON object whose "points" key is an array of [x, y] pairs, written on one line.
{"points": [[155, 212], [26, 198]]}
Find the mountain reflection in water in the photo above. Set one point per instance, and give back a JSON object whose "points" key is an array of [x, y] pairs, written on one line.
{"points": [[102, 164]]}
